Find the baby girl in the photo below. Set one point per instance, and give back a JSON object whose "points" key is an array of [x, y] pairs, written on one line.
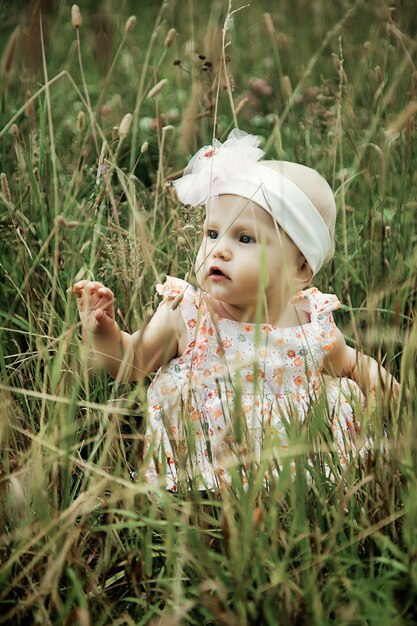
{"points": [[244, 357]]}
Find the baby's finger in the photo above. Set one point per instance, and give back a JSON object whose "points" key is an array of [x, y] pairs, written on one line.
{"points": [[104, 292], [90, 294], [93, 287], [103, 321], [78, 292], [105, 304], [81, 284], [78, 287]]}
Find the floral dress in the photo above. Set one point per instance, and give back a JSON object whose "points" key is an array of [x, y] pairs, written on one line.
{"points": [[238, 389]]}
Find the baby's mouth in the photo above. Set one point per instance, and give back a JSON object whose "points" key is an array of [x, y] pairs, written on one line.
{"points": [[216, 272]]}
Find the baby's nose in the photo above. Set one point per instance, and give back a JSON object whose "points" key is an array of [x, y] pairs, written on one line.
{"points": [[222, 251]]}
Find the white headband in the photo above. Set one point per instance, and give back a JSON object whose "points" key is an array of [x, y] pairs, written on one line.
{"points": [[233, 168]]}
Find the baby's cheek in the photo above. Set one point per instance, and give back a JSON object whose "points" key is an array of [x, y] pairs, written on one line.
{"points": [[199, 266]]}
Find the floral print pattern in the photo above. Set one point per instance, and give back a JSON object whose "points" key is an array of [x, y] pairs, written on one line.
{"points": [[235, 388]]}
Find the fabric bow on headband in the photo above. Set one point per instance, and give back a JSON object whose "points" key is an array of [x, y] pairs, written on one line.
{"points": [[214, 165], [233, 168]]}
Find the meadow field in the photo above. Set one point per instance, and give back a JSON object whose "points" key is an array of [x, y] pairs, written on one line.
{"points": [[96, 119]]}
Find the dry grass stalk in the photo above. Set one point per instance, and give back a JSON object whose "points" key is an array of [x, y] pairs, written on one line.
{"points": [[336, 61], [241, 105], [102, 25], [188, 129], [402, 119], [157, 88], [61, 222], [5, 189], [124, 126], [170, 37], [130, 24], [17, 495], [225, 529], [378, 73], [9, 53], [176, 303], [75, 16], [258, 517], [29, 108], [79, 616], [213, 44]]}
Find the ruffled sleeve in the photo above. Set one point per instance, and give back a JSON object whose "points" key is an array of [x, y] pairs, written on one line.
{"points": [[315, 303], [320, 307], [172, 288], [187, 298]]}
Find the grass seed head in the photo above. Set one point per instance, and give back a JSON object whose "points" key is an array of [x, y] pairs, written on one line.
{"points": [[125, 125], [144, 147], [158, 88], [366, 50], [5, 189], [9, 53], [60, 221], [170, 37], [286, 85], [402, 119], [75, 16], [80, 120], [269, 24], [130, 24]]}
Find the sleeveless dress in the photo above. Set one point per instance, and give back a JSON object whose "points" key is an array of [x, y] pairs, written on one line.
{"points": [[235, 393]]}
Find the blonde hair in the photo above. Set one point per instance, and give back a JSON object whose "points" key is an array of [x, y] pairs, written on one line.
{"points": [[315, 187]]}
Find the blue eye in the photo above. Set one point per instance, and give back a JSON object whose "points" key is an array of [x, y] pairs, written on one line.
{"points": [[212, 234], [247, 239]]}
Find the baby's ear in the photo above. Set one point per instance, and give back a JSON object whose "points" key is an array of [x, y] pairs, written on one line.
{"points": [[305, 273]]}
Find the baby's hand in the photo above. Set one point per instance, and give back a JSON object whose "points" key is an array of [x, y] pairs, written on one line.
{"points": [[95, 305]]}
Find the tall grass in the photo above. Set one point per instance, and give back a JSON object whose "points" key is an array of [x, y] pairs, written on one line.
{"points": [[326, 84]]}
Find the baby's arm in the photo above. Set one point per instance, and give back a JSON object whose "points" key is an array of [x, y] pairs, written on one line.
{"points": [[366, 371], [141, 352]]}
